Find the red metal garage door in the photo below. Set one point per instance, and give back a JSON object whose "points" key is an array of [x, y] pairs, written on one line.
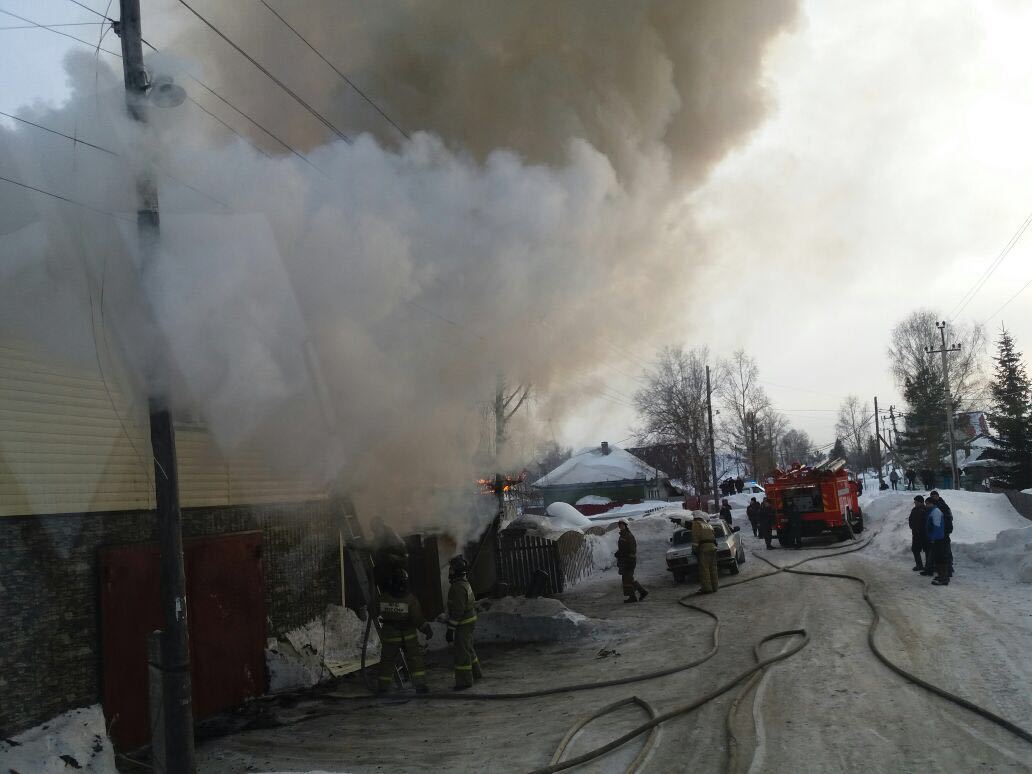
{"points": [[226, 598]]}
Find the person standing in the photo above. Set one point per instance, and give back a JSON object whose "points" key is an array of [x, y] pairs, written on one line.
{"points": [[705, 542], [389, 552], [400, 617], [795, 524], [918, 539], [935, 532], [626, 560], [894, 479], [911, 476], [739, 485], [765, 521], [725, 513], [947, 517], [753, 514], [462, 618]]}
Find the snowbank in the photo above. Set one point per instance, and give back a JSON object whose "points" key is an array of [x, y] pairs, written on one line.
{"points": [[636, 511], [314, 652], [1011, 551], [563, 517], [602, 549], [518, 619], [74, 741]]}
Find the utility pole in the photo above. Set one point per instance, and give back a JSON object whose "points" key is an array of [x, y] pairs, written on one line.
{"points": [[944, 350], [895, 434], [175, 639], [877, 444], [712, 445]]}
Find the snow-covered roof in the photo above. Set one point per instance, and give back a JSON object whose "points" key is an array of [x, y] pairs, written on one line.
{"points": [[595, 466]]}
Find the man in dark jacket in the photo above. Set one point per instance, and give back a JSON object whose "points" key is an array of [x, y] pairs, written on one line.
{"points": [[795, 525], [911, 476], [753, 513], [936, 533], [739, 485], [765, 521], [626, 560], [725, 513], [947, 516], [918, 542]]}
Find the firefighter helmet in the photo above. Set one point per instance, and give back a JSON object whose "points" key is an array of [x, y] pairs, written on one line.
{"points": [[457, 567]]}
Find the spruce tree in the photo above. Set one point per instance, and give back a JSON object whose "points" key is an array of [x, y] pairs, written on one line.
{"points": [[1011, 414], [923, 443], [838, 451]]}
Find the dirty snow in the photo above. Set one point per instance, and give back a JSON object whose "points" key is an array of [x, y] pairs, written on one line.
{"points": [[307, 655], [74, 741], [518, 619]]}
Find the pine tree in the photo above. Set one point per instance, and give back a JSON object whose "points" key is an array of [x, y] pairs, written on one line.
{"points": [[1011, 414], [923, 442], [838, 451]]}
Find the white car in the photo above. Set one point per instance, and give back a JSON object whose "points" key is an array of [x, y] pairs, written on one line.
{"points": [[681, 559]]}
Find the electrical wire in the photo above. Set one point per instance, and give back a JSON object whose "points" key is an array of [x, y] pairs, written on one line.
{"points": [[1008, 301], [297, 98], [973, 291], [95, 12], [51, 28], [67, 200], [345, 78]]}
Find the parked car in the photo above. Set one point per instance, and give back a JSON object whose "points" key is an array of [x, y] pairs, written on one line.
{"points": [[682, 561]]}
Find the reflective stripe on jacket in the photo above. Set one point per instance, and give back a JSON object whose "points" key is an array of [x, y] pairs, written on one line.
{"points": [[461, 603]]}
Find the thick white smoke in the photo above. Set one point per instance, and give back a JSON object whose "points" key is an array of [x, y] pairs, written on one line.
{"points": [[538, 223]]}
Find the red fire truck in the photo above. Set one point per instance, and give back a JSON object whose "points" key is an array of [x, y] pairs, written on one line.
{"points": [[824, 495]]}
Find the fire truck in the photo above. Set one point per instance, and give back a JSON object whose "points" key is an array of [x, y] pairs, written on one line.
{"points": [[824, 495]]}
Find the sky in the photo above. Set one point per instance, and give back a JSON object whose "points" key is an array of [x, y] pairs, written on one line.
{"points": [[889, 172]]}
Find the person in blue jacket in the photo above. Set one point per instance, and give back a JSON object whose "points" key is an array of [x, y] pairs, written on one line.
{"points": [[935, 530]]}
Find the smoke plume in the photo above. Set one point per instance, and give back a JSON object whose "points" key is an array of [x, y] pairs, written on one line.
{"points": [[351, 314]]}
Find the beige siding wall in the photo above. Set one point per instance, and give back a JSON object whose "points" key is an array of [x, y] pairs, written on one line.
{"points": [[68, 445]]}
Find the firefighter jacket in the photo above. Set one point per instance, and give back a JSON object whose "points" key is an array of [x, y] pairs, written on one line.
{"points": [[702, 533], [461, 603], [626, 551], [401, 614]]}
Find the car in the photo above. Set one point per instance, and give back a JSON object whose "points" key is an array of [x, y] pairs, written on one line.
{"points": [[681, 559]]}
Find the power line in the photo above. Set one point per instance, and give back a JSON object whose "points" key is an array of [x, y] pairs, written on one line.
{"points": [[973, 291], [321, 118], [66, 199], [1008, 301], [345, 78], [91, 10], [66, 24], [203, 109], [50, 28]]}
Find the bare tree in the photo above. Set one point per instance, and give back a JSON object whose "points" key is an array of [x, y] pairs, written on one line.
{"points": [[796, 446], [854, 425], [672, 408], [916, 333], [747, 407]]}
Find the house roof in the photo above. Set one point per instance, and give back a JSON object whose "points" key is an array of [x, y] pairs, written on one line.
{"points": [[594, 466]]}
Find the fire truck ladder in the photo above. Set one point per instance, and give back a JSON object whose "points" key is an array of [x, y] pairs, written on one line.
{"points": [[354, 547]]}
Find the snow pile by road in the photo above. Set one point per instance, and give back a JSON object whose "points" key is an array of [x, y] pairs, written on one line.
{"points": [[311, 653], [986, 529], [593, 500], [74, 741], [563, 516], [518, 619]]}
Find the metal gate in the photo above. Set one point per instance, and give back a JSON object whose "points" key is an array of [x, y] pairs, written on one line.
{"points": [[522, 558], [226, 603]]}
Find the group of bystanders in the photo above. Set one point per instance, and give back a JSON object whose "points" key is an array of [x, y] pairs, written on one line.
{"points": [[931, 524]]}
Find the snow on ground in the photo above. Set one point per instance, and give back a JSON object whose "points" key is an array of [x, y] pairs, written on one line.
{"points": [[636, 511], [563, 516], [74, 741], [519, 619]]}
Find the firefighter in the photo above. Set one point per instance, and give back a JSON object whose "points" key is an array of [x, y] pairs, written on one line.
{"points": [[626, 560], [765, 521], [389, 552], [462, 618], [400, 617], [795, 524], [753, 514], [705, 543]]}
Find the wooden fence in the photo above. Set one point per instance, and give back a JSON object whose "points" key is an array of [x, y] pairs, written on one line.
{"points": [[521, 558]]}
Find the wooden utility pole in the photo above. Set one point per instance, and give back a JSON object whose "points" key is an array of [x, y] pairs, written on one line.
{"points": [[944, 350], [712, 443], [877, 444], [175, 641]]}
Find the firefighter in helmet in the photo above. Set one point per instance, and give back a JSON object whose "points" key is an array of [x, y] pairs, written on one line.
{"points": [[389, 552], [400, 617], [705, 542], [462, 617]]}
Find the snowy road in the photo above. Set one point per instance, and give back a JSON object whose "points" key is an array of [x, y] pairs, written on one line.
{"points": [[832, 707]]}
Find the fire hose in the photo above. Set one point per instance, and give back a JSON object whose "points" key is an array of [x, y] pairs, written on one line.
{"points": [[749, 676]]}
